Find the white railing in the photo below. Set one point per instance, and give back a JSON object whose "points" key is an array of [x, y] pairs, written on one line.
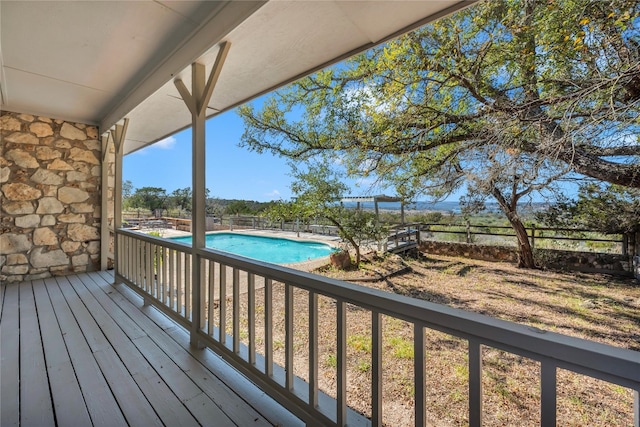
{"points": [[230, 315]]}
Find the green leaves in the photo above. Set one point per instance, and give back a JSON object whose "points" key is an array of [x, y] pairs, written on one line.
{"points": [[552, 81]]}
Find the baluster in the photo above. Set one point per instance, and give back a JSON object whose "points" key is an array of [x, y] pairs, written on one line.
{"points": [[268, 327], [211, 292], [376, 369], [313, 349], [419, 375], [223, 304], [547, 393], [251, 288], [179, 273], [288, 347], [475, 383], [187, 286], [174, 275], [341, 326], [236, 310]]}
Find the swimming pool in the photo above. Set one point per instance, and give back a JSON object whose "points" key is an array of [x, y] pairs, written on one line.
{"points": [[263, 248]]}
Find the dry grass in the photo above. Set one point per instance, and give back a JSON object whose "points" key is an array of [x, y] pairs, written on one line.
{"points": [[596, 307]]}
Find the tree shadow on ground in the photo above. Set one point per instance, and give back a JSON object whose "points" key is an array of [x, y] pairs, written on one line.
{"points": [[575, 303]]}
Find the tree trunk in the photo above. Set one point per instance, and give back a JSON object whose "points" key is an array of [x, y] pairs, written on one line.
{"points": [[346, 235], [525, 252]]}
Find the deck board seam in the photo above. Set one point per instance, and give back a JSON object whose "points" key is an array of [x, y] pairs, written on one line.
{"points": [[149, 312], [141, 370], [155, 333]]}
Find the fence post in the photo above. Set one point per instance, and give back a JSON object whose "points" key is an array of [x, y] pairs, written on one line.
{"points": [[625, 244], [468, 232], [230, 223], [533, 236]]}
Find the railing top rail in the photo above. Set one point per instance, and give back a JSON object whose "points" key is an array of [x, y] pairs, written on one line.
{"points": [[156, 240]]}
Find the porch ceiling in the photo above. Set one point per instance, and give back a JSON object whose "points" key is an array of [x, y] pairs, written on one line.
{"points": [[98, 62]]}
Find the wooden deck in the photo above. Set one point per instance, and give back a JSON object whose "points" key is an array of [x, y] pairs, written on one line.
{"points": [[77, 350]]}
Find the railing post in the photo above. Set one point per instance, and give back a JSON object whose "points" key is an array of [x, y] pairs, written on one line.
{"points": [[468, 232]]}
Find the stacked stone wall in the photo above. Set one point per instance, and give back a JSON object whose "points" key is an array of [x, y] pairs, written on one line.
{"points": [[50, 197], [592, 262]]}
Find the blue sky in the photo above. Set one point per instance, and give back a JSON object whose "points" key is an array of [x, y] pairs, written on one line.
{"points": [[232, 172]]}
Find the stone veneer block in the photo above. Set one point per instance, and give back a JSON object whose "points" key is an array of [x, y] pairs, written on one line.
{"points": [[15, 269], [49, 205], [41, 129], [14, 259], [18, 208], [80, 155], [14, 243], [44, 237], [47, 153], [82, 233], [22, 159], [28, 221], [80, 260], [71, 218], [40, 258], [70, 246], [46, 177], [4, 174], [19, 191], [59, 165], [48, 220], [72, 195], [22, 138], [69, 131], [10, 123]]}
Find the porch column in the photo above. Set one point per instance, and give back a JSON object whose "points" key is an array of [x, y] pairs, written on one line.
{"points": [[104, 205], [118, 134], [197, 102]]}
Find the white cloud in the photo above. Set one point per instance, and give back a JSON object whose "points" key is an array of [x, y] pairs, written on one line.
{"points": [[166, 144], [275, 194]]}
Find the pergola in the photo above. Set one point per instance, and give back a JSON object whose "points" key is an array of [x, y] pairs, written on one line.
{"points": [[375, 200]]}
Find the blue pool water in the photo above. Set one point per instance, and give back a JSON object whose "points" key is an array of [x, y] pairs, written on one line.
{"points": [[268, 249]]}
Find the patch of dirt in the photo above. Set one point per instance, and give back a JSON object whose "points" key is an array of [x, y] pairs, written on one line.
{"points": [[596, 307]]}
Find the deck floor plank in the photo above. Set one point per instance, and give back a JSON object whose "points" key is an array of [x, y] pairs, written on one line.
{"points": [[259, 402], [65, 389], [10, 357], [101, 404], [134, 405], [76, 350], [166, 404], [238, 410], [36, 408]]}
